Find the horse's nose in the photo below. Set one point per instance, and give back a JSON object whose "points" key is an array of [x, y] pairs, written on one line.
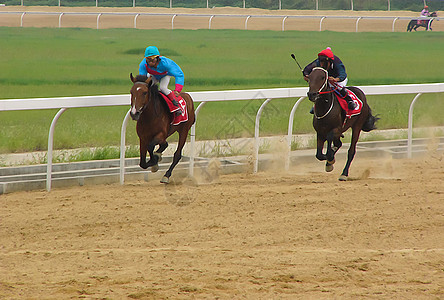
{"points": [[312, 95], [135, 116]]}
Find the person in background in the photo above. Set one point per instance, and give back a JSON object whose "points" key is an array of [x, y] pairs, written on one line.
{"points": [[337, 76], [161, 69]]}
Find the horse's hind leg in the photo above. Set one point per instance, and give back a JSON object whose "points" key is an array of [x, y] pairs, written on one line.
{"points": [[351, 154], [177, 156]]}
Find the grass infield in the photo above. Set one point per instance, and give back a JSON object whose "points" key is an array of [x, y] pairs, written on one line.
{"points": [[57, 62]]}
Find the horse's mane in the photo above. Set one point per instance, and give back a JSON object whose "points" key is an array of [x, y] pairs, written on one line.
{"points": [[154, 92], [141, 78]]}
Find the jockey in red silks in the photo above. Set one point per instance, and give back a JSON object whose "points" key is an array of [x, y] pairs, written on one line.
{"points": [[161, 68], [337, 76], [425, 12]]}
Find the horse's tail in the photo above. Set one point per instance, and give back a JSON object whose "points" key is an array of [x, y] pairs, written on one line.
{"points": [[370, 123]]}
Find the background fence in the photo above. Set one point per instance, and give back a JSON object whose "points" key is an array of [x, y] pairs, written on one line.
{"points": [[194, 21], [413, 5]]}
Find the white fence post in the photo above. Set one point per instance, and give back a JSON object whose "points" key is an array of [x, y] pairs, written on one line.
{"points": [[256, 135], [50, 148], [410, 129], [123, 146], [193, 140], [290, 131]]}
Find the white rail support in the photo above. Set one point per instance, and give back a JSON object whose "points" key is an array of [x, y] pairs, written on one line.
{"points": [[256, 135], [410, 127], [209, 21], [193, 140], [320, 23], [60, 20], [172, 22], [50, 148], [123, 146], [393, 25], [290, 132], [246, 22], [98, 18], [21, 19], [357, 23], [283, 23], [135, 20]]}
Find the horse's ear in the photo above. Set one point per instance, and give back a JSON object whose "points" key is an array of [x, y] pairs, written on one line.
{"points": [[132, 78], [148, 81]]}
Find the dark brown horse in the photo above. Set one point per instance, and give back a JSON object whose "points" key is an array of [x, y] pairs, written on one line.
{"points": [[330, 120], [427, 23], [154, 123]]}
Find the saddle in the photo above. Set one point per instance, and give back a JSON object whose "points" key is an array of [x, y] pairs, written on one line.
{"points": [[177, 118], [344, 105]]}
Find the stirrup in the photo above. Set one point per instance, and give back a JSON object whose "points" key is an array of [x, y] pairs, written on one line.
{"points": [[351, 105]]}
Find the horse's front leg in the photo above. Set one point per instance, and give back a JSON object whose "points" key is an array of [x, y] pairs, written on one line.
{"points": [[351, 154], [320, 140], [143, 148], [148, 147], [157, 156]]}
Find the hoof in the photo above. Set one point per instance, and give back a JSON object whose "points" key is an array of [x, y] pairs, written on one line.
{"points": [[165, 180], [159, 156], [155, 168], [343, 178], [329, 168]]}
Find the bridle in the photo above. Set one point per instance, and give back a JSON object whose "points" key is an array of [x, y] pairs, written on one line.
{"points": [[320, 92], [149, 98]]}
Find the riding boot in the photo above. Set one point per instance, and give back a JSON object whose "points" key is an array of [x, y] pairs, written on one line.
{"points": [[351, 104], [172, 97]]}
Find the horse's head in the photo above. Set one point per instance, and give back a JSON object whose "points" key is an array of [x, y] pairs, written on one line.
{"points": [[433, 14], [317, 82], [140, 95]]}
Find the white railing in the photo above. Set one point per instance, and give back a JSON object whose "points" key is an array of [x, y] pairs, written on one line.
{"points": [[64, 103], [211, 17]]}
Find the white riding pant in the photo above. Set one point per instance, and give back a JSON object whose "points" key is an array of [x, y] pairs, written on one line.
{"points": [[342, 83], [163, 84]]}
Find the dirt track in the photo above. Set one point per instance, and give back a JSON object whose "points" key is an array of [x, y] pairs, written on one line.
{"points": [[297, 235], [274, 235], [218, 22]]}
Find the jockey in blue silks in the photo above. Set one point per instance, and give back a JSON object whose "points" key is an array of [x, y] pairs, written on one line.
{"points": [[337, 76], [161, 68]]}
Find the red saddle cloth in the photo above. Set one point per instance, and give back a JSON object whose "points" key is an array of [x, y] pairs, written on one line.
{"points": [[350, 113], [177, 119]]}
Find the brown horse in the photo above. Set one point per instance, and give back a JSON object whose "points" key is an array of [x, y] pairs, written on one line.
{"points": [[154, 123], [330, 120]]}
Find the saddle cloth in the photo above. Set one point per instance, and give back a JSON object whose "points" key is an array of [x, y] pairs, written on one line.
{"points": [[350, 113], [177, 119]]}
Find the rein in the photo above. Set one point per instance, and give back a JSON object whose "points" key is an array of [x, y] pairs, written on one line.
{"points": [[324, 92]]}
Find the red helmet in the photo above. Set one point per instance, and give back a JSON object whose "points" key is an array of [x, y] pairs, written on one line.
{"points": [[426, 6], [328, 53]]}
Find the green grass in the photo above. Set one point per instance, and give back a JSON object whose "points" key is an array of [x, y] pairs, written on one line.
{"points": [[53, 62]]}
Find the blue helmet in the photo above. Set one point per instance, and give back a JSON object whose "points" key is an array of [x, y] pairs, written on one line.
{"points": [[151, 50]]}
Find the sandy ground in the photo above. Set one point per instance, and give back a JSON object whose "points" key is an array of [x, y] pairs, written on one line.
{"points": [[273, 235], [224, 18]]}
